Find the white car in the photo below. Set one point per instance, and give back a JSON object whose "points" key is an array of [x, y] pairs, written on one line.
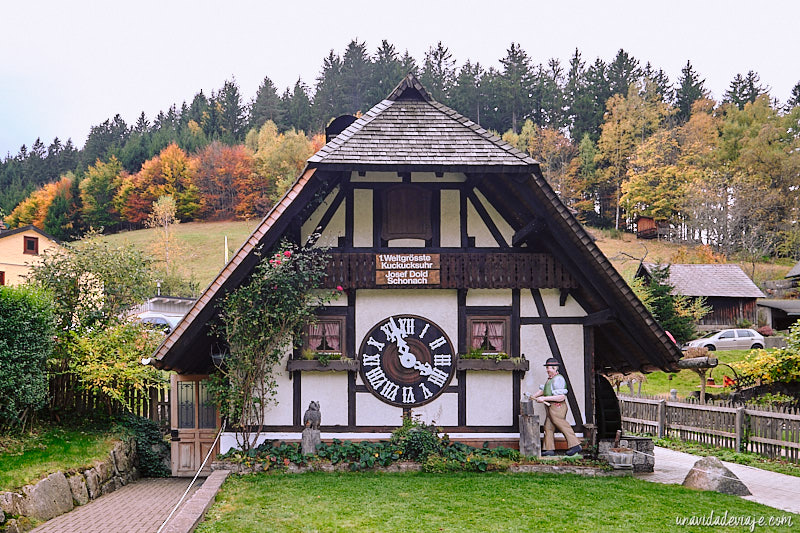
{"points": [[728, 339]]}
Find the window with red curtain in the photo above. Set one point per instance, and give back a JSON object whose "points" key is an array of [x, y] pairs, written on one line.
{"points": [[325, 335], [489, 334]]}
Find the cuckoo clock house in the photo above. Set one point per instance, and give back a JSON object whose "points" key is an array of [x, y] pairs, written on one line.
{"points": [[447, 242]]}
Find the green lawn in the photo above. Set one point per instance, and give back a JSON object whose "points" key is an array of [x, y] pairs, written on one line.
{"points": [[687, 381], [463, 502], [28, 458]]}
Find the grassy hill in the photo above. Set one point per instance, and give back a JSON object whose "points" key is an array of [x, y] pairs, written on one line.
{"points": [[203, 249], [201, 245]]}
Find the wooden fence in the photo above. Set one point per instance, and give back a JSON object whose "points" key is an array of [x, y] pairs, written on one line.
{"points": [[67, 396], [774, 433]]}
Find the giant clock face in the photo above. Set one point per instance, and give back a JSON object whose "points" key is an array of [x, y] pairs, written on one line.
{"points": [[407, 360]]}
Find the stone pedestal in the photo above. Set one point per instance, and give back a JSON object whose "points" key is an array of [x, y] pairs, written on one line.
{"points": [[643, 458], [530, 443], [311, 440]]}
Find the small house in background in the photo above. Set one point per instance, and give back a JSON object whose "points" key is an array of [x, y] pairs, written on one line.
{"points": [[729, 292], [164, 311], [19, 249], [778, 314], [650, 228]]}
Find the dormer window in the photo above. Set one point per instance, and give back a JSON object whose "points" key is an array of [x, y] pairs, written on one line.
{"points": [[406, 213], [31, 245]]}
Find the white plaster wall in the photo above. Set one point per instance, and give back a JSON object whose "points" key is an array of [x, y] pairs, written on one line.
{"points": [[489, 398], [476, 228], [335, 229], [382, 177], [370, 411], [499, 221], [450, 233], [330, 390], [489, 297], [527, 306], [312, 221], [438, 305], [281, 414], [443, 411], [551, 297], [430, 177], [362, 217], [570, 342]]}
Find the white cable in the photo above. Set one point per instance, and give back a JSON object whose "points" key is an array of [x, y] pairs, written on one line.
{"points": [[193, 479]]}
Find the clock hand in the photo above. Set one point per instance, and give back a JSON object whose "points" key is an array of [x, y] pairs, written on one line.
{"points": [[407, 359], [425, 369]]}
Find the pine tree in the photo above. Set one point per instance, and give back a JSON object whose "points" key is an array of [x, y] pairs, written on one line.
{"points": [[466, 97], [231, 113], [298, 107], [266, 105], [329, 96], [690, 88], [387, 71], [356, 76], [438, 72], [517, 85]]}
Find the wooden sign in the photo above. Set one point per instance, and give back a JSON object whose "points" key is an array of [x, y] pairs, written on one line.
{"points": [[407, 269]]}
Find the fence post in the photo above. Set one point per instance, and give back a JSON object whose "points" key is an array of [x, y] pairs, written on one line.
{"points": [[662, 419], [740, 429]]}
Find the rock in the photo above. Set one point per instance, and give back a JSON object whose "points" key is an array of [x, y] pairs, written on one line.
{"points": [[80, 494], [2, 517], [110, 486], [92, 483], [48, 498], [12, 526], [11, 503], [710, 474], [105, 470]]}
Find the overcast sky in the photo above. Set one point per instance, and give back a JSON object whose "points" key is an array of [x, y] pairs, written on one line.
{"points": [[68, 65]]}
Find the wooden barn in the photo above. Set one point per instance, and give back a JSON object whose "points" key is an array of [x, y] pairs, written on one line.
{"points": [[650, 228], [443, 234], [727, 289]]}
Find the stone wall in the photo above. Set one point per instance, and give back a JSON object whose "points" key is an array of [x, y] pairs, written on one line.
{"points": [[60, 492]]}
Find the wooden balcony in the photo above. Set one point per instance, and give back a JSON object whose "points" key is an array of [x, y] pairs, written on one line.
{"points": [[459, 271]]}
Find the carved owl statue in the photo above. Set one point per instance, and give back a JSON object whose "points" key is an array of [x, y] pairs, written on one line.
{"points": [[313, 417]]}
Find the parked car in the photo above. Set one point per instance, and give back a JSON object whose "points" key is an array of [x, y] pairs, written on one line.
{"points": [[728, 339]]}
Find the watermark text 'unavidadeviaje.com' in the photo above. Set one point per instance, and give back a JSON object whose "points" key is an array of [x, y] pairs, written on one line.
{"points": [[728, 520]]}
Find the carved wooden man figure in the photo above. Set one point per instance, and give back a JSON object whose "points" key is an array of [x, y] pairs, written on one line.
{"points": [[554, 395]]}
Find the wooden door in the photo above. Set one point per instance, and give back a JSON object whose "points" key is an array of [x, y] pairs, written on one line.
{"points": [[195, 423]]}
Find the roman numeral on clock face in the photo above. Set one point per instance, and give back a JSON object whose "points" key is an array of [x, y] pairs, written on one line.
{"points": [[425, 392], [406, 325], [371, 360], [444, 359], [437, 377], [424, 330], [441, 341], [379, 345], [389, 390], [408, 395], [376, 377]]}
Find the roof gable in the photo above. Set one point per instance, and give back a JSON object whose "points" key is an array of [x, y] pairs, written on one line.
{"points": [[410, 131], [29, 227], [722, 280]]}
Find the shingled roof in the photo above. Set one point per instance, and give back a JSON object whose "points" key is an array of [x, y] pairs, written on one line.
{"points": [[409, 131], [710, 280]]}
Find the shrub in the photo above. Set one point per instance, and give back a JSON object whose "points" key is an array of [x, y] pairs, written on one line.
{"points": [[766, 331], [417, 440], [26, 342], [149, 443], [774, 366]]}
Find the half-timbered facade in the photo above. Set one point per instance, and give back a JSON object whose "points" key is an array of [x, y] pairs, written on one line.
{"points": [[447, 242]]}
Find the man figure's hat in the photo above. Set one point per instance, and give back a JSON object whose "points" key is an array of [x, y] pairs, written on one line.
{"points": [[551, 362]]}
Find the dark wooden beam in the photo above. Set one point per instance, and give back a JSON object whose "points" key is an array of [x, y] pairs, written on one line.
{"points": [[534, 227], [599, 318]]}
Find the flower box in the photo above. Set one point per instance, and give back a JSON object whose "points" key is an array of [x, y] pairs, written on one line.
{"points": [[315, 365], [492, 364]]}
